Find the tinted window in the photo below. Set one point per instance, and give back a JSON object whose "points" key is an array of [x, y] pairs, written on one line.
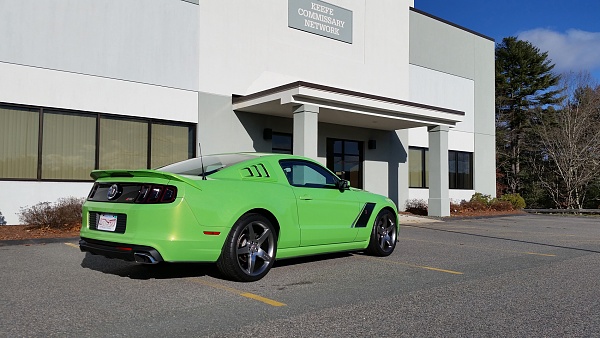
{"points": [[418, 164], [308, 174], [460, 167], [69, 140], [345, 159], [123, 144], [282, 143], [70, 144], [170, 144], [18, 142], [212, 164]]}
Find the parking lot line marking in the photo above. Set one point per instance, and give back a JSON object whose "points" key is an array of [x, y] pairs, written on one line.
{"points": [[239, 292], [539, 254], [503, 230], [73, 245], [413, 265], [431, 268], [508, 239], [261, 299], [481, 247]]}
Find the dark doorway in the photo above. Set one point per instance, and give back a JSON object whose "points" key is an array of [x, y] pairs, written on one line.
{"points": [[345, 159]]}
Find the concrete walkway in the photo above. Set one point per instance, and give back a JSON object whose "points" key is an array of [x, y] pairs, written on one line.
{"points": [[412, 219]]}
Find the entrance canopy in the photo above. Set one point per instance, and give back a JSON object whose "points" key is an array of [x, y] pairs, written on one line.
{"points": [[344, 107]]}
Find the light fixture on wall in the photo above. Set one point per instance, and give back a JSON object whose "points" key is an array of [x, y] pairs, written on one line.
{"points": [[267, 133], [372, 144]]}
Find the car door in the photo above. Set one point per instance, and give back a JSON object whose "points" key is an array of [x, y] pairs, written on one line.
{"points": [[325, 213]]}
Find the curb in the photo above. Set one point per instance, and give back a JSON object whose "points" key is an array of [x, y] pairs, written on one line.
{"points": [[564, 211], [462, 218], [36, 241]]}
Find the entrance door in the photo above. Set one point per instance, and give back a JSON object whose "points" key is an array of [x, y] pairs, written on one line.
{"points": [[345, 159]]}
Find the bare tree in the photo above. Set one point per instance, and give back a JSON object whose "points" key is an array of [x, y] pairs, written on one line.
{"points": [[569, 140]]}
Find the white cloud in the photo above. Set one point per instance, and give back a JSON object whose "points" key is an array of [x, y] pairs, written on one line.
{"points": [[574, 50]]}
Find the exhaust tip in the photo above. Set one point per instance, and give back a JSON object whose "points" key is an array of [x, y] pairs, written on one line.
{"points": [[144, 258]]}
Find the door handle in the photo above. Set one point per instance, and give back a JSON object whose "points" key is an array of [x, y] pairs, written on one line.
{"points": [[305, 198]]}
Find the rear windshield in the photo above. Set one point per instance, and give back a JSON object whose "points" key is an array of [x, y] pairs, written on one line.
{"points": [[212, 164]]}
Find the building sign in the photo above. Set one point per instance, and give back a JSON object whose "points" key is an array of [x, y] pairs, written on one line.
{"points": [[321, 18]]}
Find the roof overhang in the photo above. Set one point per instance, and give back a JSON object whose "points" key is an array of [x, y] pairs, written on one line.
{"points": [[344, 107]]}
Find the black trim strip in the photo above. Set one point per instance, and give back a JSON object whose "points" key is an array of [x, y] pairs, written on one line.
{"points": [[40, 143], [365, 214], [122, 251], [257, 171], [265, 169]]}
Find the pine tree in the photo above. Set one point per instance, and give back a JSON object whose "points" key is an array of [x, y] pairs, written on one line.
{"points": [[524, 84]]}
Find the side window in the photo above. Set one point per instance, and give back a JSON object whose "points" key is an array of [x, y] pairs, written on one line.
{"points": [[307, 174]]}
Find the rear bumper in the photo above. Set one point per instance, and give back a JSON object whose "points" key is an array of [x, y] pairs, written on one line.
{"points": [[127, 252]]}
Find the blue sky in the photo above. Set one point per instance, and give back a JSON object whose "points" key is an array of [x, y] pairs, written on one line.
{"points": [[568, 30]]}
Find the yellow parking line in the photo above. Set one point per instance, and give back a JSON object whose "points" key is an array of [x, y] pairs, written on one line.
{"points": [[238, 292], [413, 265], [429, 268], [483, 248], [73, 245]]}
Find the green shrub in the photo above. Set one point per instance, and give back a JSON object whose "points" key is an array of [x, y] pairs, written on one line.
{"points": [[478, 202], [64, 213], [515, 199], [475, 205], [480, 198], [416, 206]]}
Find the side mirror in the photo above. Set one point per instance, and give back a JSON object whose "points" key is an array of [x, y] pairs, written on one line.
{"points": [[343, 185]]}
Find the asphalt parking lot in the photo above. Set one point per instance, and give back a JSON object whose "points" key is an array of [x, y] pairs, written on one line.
{"points": [[515, 276]]}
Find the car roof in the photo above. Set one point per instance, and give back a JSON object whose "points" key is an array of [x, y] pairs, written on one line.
{"points": [[273, 155]]}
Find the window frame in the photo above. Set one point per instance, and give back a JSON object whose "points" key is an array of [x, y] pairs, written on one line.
{"points": [[455, 185], [330, 154], [37, 142], [277, 150], [192, 129], [284, 163], [424, 168], [42, 151]]}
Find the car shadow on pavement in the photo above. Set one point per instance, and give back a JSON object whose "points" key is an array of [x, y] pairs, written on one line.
{"points": [[148, 271], [309, 259], [134, 270]]}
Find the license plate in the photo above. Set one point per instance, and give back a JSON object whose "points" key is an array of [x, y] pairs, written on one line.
{"points": [[107, 222]]}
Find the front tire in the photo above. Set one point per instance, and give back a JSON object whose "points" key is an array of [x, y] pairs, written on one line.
{"points": [[249, 250], [384, 234]]}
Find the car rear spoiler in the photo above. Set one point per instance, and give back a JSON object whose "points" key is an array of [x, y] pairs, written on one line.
{"points": [[96, 174]]}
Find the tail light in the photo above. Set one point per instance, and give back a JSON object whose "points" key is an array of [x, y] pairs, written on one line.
{"points": [[93, 191], [133, 193], [156, 193]]}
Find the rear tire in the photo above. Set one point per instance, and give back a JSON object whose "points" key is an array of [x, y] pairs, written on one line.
{"points": [[384, 234], [249, 250]]}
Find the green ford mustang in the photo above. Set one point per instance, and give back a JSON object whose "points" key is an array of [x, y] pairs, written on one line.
{"points": [[241, 211]]}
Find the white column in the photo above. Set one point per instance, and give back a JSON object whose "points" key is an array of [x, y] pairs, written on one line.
{"points": [[400, 148], [306, 120], [439, 202]]}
